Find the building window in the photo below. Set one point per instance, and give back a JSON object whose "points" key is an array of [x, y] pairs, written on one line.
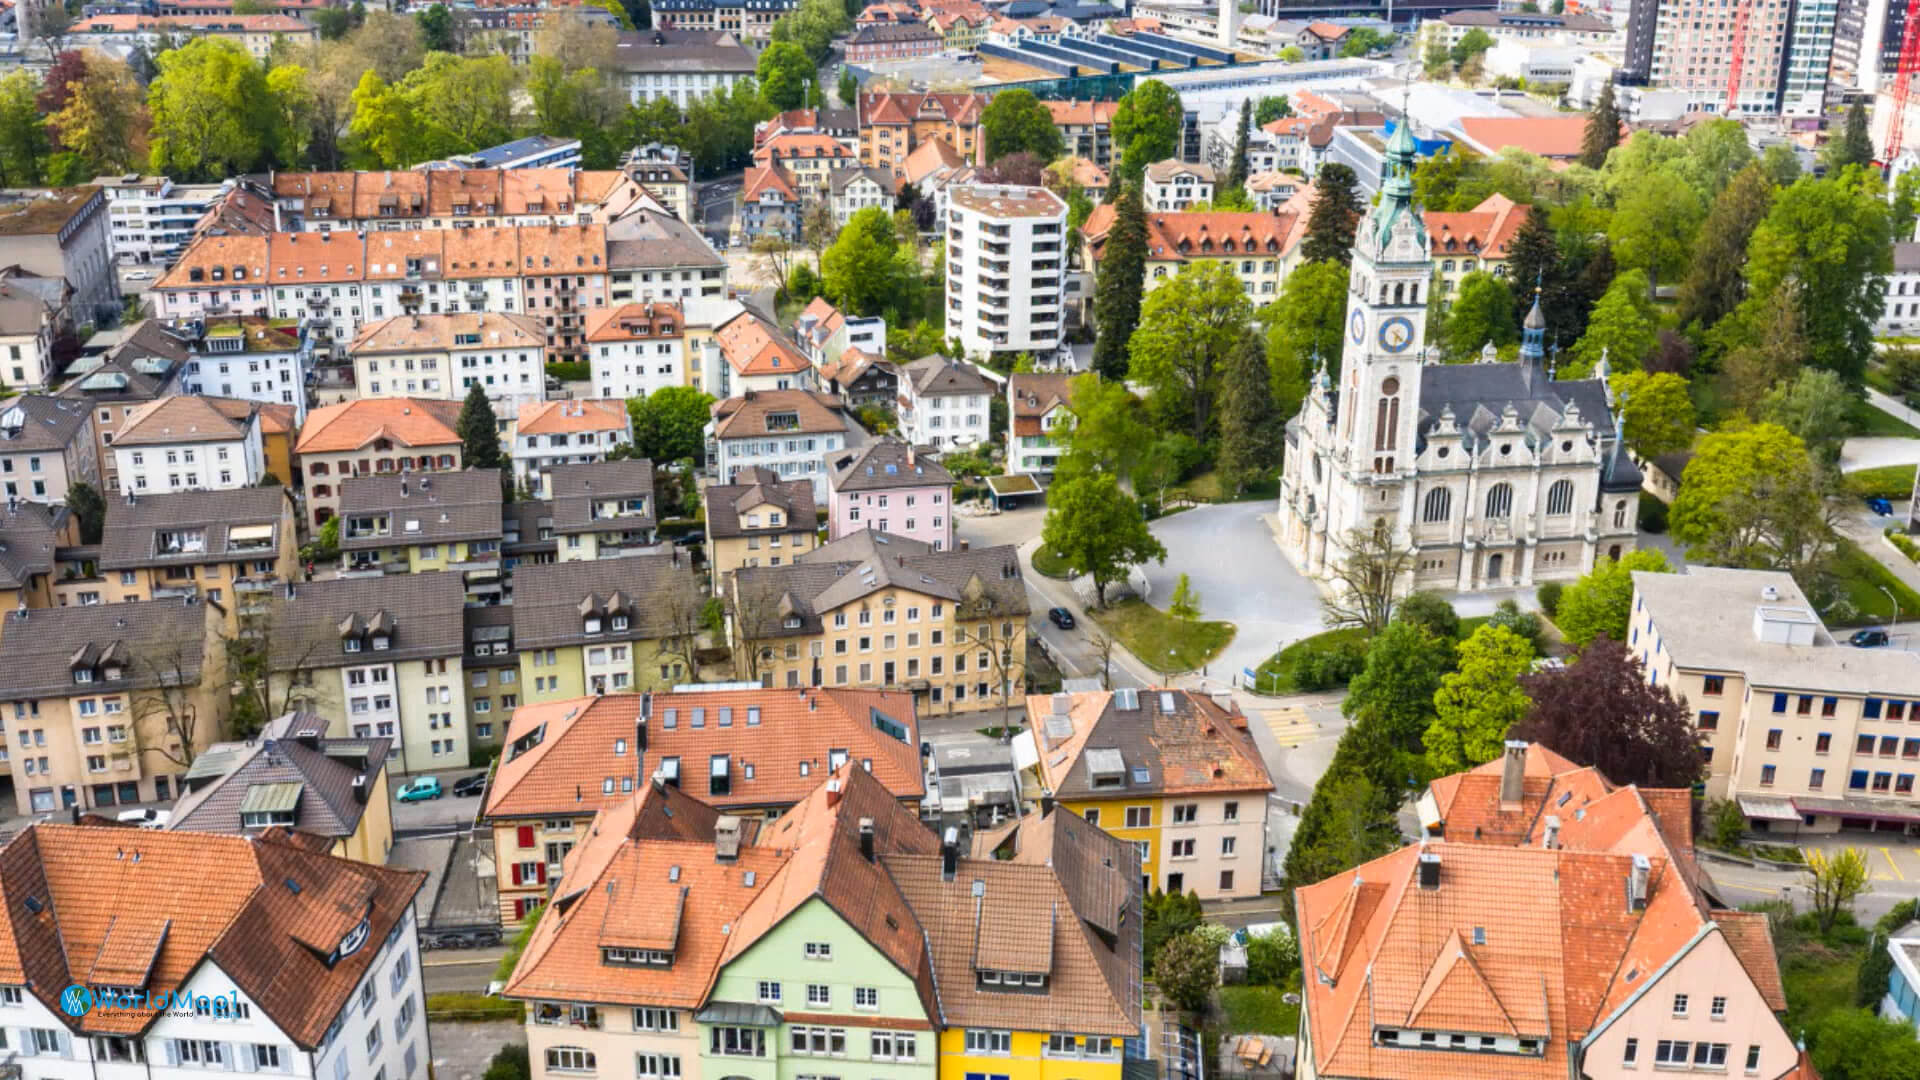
{"points": [[570, 1059]]}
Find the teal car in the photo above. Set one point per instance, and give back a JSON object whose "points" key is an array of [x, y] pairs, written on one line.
{"points": [[420, 789]]}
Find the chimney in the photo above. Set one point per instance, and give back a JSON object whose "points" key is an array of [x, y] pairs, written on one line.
{"points": [[1637, 883], [963, 544], [726, 838], [1429, 870], [1513, 772], [360, 790], [950, 853], [866, 838], [833, 792], [403, 487], [308, 737], [1550, 839]]}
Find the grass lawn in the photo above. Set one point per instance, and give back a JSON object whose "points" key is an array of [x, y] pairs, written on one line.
{"points": [[1258, 1010], [1162, 642], [1275, 675], [1045, 561], [1819, 978], [1207, 488], [1860, 578], [1887, 481], [1866, 419]]}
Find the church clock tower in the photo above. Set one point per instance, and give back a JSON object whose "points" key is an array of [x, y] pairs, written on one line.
{"points": [[1386, 323]]}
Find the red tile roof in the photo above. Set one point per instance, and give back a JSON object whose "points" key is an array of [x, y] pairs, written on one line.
{"points": [[413, 422], [1186, 234], [1557, 137], [1486, 230]]}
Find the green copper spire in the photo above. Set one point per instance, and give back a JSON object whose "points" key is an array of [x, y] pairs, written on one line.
{"points": [[1396, 186]]}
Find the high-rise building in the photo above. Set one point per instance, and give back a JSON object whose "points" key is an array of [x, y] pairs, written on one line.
{"points": [[1006, 250]]}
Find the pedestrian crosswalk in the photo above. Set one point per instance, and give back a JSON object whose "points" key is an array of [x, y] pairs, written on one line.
{"points": [[1289, 725]]}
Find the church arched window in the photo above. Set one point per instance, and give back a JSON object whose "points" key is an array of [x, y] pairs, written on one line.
{"points": [[1439, 505], [1620, 514], [1383, 292], [1400, 293], [1560, 497], [1500, 502]]}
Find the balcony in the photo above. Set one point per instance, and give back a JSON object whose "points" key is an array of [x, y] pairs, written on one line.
{"points": [[317, 301], [993, 249], [998, 284], [175, 592]]}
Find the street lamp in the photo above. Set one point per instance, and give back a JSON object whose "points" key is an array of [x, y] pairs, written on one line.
{"points": [[1896, 609]]}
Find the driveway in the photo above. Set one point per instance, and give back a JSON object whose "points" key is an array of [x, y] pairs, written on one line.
{"points": [[1872, 452]]}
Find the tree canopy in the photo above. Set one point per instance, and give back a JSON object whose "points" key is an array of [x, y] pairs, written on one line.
{"points": [[1015, 122], [1189, 326], [1478, 701], [1146, 128], [1600, 710], [1097, 529], [1601, 602]]}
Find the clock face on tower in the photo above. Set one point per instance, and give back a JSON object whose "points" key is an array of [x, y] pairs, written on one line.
{"points": [[1357, 326], [1396, 334]]}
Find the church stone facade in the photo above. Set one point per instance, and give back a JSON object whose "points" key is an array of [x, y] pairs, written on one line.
{"points": [[1497, 474]]}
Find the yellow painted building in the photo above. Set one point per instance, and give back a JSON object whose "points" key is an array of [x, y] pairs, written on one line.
{"points": [[426, 523], [229, 547], [605, 626]]}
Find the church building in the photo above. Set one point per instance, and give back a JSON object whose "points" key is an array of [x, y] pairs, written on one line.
{"points": [[1496, 474]]}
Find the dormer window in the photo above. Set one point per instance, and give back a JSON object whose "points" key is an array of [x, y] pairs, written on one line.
{"points": [[83, 675], [351, 644], [380, 642], [792, 622], [112, 674], [593, 624]]}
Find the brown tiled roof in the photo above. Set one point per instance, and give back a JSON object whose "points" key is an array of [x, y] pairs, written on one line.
{"points": [[305, 257], [388, 253], [148, 641], [326, 772], [728, 504], [419, 612], [1163, 171], [760, 179], [745, 417], [430, 508], [1090, 112], [881, 108], [929, 157], [1186, 234], [659, 319], [353, 425], [884, 464], [414, 333], [1751, 939], [559, 753], [548, 598], [266, 909], [985, 581], [939, 375], [49, 423], [1182, 740], [181, 418], [568, 417], [131, 536], [754, 346], [1035, 395], [1548, 136], [796, 145], [1487, 230], [576, 488]]}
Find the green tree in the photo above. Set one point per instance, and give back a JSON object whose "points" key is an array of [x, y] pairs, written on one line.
{"points": [[1471, 44], [1146, 128], [1364, 40], [332, 22], [1015, 122], [1350, 819], [1305, 327], [1654, 224], [668, 423], [464, 103], [385, 123], [858, 271], [1109, 433], [1623, 326], [1905, 211], [1482, 312], [1237, 167], [1716, 151], [785, 71], [1716, 281], [1252, 428], [1436, 62], [1188, 328], [1185, 602], [813, 24], [1782, 165], [1832, 237], [849, 87], [89, 508], [1533, 260], [99, 119], [1756, 362], [1751, 497], [436, 29], [1336, 213], [1187, 969], [1395, 691], [1272, 107], [1816, 406], [510, 1062], [1656, 410], [1120, 283], [211, 113], [1098, 530], [1603, 130], [24, 142], [479, 432], [1834, 880], [1601, 602], [1856, 1044], [1479, 700], [1854, 147]]}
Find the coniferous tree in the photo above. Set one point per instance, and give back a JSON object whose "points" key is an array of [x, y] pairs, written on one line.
{"points": [[479, 431], [1855, 145], [1336, 212], [1123, 273], [1533, 261], [1717, 281], [1250, 423], [1603, 130], [1237, 171]]}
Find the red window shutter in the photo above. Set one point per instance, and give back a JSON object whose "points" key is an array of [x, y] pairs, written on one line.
{"points": [[525, 835], [541, 869], [516, 876]]}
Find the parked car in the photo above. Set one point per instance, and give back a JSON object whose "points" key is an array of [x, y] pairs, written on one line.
{"points": [[468, 786], [1869, 639], [138, 275], [1880, 506], [146, 819], [420, 789], [690, 539], [1061, 618]]}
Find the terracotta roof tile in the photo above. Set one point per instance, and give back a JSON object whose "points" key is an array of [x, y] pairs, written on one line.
{"points": [[1751, 938], [746, 416], [657, 320], [556, 417], [238, 259], [414, 333], [410, 422], [1548, 136], [1166, 741], [180, 419], [754, 346]]}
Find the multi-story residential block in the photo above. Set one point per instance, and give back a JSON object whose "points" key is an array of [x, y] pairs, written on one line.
{"points": [[46, 446], [893, 125], [881, 611], [748, 353], [746, 20], [532, 151], [253, 33], [1275, 146], [30, 535], [1477, 239], [882, 43], [577, 431], [1900, 309], [637, 348], [150, 219], [371, 436], [666, 172], [294, 776], [787, 431], [229, 548], [1125, 761], [29, 324], [104, 703], [1549, 897], [247, 358], [386, 653], [149, 363], [945, 403], [760, 520], [810, 160], [185, 443], [443, 356], [602, 626], [62, 233], [1533, 27], [211, 992], [1087, 128], [763, 750], [1682, 45], [1006, 253], [1804, 732], [962, 27], [399, 523], [1177, 185], [857, 187], [602, 510], [682, 65], [770, 204], [493, 672], [1039, 408], [464, 198], [653, 255], [1258, 247], [890, 486], [825, 334]]}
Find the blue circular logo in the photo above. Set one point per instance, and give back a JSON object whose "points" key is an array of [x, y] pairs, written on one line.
{"points": [[76, 1001]]}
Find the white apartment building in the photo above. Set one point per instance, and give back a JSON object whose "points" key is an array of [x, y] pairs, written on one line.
{"points": [[443, 356], [28, 324], [1006, 257], [637, 348], [266, 911], [945, 403], [249, 359], [788, 431], [567, 433], [150, 219], [1176, 185], [184, 443]]}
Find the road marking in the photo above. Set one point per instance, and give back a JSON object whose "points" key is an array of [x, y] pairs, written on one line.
{"points": [[1895, 865], [1289, 725]]}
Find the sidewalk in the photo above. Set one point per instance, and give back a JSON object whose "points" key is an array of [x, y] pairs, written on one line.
{"points": [[1893, 407], [1061, 594]]}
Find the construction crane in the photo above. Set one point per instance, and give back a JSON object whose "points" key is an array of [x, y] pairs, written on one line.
{"points": [[1903, 79], [1742, 12]]}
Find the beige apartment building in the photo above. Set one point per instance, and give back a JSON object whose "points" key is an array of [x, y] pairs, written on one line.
{"points": [[373, 436], [1805, 732], [762, 523], [880, 611]]}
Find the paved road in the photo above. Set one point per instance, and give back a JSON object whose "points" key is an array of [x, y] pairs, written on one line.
{"points": [[467, 971], [462, 1051]]}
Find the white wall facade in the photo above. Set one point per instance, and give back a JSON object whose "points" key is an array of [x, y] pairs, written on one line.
{"points": [[211, 466], [1004, 276], [638, 367], [792, 456], [152, 223], [273, 378]]}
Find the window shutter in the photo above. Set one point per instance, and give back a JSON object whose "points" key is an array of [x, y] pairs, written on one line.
{"points": [[66, 1044], [516, 874], [526, 836], [286, 1058], [541, 870], [173, 1051]]}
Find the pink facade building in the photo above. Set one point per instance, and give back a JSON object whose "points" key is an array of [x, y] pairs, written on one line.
{"points": [[889, 486]]}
